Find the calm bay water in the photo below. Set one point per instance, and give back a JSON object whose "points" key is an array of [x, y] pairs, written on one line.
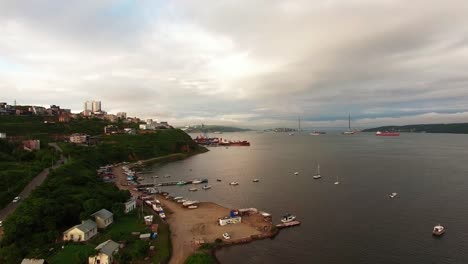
{"points": [[355, 221]]}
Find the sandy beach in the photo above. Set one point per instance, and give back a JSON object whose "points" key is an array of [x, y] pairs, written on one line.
{"points": [[189, 227]]}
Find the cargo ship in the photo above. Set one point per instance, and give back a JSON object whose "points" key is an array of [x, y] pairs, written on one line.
{"points": [[219, 141], [387, 134]]}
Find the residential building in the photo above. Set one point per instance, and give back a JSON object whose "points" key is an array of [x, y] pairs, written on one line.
{"points": [[129, 130], [91, 107], [130, 205], [96, 106], [31, 145], [122, 115], [111, 129], [106, 252], [82, 232], [103, 218], [2, 135], [64, 117], [79, 138]]}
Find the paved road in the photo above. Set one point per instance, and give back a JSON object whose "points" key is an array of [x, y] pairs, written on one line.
{"points": [[11, 207]]}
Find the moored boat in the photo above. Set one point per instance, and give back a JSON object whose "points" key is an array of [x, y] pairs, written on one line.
{"points": [[256, 180], [196, 181], [206, 187], [193, 189], [393, 195], [288, 218], [317, 176], [234, 183], [387, 134], [438, 230]]}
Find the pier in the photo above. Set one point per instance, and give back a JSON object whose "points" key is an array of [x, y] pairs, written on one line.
{"points": [[171, 183], [288, 224]]}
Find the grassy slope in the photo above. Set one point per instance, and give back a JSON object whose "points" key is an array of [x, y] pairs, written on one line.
{"points": [[457, 128], [73, 191]]}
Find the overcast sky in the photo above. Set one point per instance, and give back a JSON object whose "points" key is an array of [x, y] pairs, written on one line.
{"points": [[243, 63]]}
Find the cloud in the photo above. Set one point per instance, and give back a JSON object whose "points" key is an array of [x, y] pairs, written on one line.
{"points": [[261, 63]]}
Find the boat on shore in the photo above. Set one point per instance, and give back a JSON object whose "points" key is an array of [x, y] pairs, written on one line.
{"points": [[181, 183], [234, 183], [387, 134], [206, 187], [193, 189], [196, 181], [288, 218], [438, 230]]}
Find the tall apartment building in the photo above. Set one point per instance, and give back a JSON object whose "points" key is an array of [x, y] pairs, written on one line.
{"points": [[92, 106]]}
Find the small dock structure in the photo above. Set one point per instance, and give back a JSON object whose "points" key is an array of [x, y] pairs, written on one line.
{"points": [[288, 224], [171, 183]]}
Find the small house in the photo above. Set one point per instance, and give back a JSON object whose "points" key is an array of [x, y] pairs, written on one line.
{"points": [[229, 220], [103, 218], [82, 232], [130, 205], [34, 261], [106, 252]]}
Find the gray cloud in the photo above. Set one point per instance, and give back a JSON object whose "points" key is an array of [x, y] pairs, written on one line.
{"points": [[256, 63]]}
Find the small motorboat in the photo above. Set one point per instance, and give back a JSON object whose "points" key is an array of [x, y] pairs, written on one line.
{"points": [[226, 236], [181, 183], [189, 203], [196, 181], [193, 189], [206, 187], [192, 207], [288, 218], [178, 198], [438, 230], [256, 180], [393, 195], [233, 183], [181, 201], [296, 173], [218, 180]]}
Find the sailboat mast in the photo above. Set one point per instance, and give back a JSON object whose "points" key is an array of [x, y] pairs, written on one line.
{"points": [[349, 121], [299, 124]]}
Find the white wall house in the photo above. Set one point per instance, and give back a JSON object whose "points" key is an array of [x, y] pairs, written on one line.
{"points": [[82, 232], [130, 205], [103, 218], [106, 252]]}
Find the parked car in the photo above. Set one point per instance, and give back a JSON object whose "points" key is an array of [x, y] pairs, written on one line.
{"points": [[17, 198]]}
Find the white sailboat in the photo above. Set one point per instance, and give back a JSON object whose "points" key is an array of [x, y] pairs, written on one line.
{"points": [[349, 132], [317, 176], [337, 181]]}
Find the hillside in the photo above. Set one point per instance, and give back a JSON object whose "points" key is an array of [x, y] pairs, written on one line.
{"points": [[214, 128], [455, 128]]}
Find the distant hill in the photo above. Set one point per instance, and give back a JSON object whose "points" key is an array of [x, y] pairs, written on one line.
{"points": [[456, 128], [213, 128]]}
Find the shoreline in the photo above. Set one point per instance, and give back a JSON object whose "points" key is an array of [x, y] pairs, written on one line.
{"points": [[190, 229]]}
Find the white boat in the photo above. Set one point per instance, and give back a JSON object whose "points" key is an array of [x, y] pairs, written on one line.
{"points": [[288, 218], [226, 236], [337, 181], [192, 207], [162, 215], [393, 195], [291, 134], [296, 173], [317, 176], [181, 201], [233, 183], [438, 230], [193, 189], [178, 198], [206, 187], [256, 180], [188, 203], [196, 181], [349, 132]]}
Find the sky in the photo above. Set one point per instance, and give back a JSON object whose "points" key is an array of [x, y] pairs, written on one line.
{"points": [[242, 63]]}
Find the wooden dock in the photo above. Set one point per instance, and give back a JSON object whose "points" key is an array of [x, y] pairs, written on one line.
{"points": [[288, 224], [171, 183]]}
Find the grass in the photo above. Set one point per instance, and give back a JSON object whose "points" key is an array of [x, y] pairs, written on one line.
{"points": [[73, 253], [122, 228], [200, 257]]}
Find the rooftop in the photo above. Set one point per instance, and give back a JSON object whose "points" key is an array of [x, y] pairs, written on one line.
{"points": [[108, 247], [103, 213]]}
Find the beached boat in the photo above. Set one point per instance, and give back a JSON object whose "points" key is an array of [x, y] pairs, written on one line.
{"points": [[288, 218], [181, 183], [218, 180], [196, 181], [233, 183], [193, 189], [181, 201], [317, 176], [188, 203], [206, 187], [192, 207], [226, 236], [256, 180], [178, 198], [438, 230], [393, 195]]}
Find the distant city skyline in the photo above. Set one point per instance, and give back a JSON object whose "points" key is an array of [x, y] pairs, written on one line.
{"points": [[258, 64]]}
